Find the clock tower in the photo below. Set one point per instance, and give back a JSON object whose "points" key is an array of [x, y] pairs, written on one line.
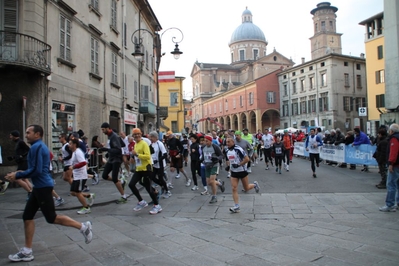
{"points": [[325, 40]]}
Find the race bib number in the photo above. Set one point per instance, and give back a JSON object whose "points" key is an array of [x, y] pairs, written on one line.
{"points": [[185, 146], [138, 161]]}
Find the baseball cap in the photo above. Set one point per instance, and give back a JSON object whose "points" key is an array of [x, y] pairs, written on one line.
{"points": [[169, 133], [208, 138], [238, 132], [136, 131]]}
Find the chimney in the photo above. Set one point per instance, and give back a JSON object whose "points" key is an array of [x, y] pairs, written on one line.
{"points": [[303, 60], [362, 55]]}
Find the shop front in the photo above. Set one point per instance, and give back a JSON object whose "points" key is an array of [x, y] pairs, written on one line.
{"points": [[130, 121], [62, 121]]}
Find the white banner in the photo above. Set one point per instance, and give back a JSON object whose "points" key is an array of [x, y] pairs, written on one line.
{"points": [[299, 149], [334, 153]]}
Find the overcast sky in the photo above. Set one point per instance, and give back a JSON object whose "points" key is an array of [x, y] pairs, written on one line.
{"points": [[207, 26]]}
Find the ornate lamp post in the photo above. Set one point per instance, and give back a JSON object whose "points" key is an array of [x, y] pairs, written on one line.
{"points": [[138, 54]]}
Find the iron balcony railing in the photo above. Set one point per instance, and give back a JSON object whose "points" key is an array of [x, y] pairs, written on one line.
{"points": [[24, 50]]}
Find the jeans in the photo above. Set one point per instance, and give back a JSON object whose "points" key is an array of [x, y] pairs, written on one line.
{"points": [[392, 187]]}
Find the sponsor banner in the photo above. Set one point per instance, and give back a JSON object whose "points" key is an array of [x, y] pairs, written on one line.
{"points": [[334, 153], [362, 154], [299, 149]]}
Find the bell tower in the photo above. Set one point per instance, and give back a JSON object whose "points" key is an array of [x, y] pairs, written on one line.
{"points": [[325, 40]]}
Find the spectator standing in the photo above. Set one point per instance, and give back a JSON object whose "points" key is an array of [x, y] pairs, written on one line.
{"points": [[381, 157]]}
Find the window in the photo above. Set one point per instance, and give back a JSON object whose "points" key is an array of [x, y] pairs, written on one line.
{"points": [[310, 68], [144, 93], [113, 14], [136, 92], [303, 105], [294, 107], [315, 27], [242, 55], [256, 54], [234, 103], [380, 76], [124, 34], [322, 64], [323, 79], [312, 103], [174, 126], [220, 107], [359, 81], [293, 74], [360, 102], [241, 104], [302, 85], [94, 56], [358, 66], [227, 104], [251, 98], [174, 97], [302, 71], [285, 90], [114, 69], [311, 83], [9, 19], [331, 25], [271, 97], [348, 104], [146, 59], [65, 38], [346, 64], [285, 108], [323, 102], [323, 25], [94, 4], [214, 108], [380, 52], [346, 79], [284, 76], [294, 87]]}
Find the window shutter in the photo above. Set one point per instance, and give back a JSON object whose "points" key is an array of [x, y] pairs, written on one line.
{"points": [[351, 104], [320, 105], [10, 17]]}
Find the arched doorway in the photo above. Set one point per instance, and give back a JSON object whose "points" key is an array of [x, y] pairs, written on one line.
{"points": [[222, 123], [235, 122], [243, 121], [271, 119], [252, 122], [228, 122]]}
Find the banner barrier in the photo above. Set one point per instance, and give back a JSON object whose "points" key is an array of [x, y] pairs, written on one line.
{"points": [[362, 154]]}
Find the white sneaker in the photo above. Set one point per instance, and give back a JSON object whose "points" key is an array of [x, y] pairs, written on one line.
{"points": [[170, 185], [194, 188], [228, 175], [188, 183], [88, 232], [177, 176], [90, 200], [84, 210], [287, 168]]}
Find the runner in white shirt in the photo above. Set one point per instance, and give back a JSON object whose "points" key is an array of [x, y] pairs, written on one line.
{"points": [[78, 167], [267, 140]]}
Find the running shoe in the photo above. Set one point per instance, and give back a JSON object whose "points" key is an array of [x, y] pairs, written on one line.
{"points": [[188, 183], [194, 188], [29, 194], [96, 179], [279, 171], [87, 232], [90, 199], [213, 199], [58, 202], [267, 168], [314, 175], [142, 204], [121, 200], [84, 210], [205, 192], [177, 176], [21, 256], [156, 209], [257, 187], [123, 182], [166, 195], [221, 186], [235, 209], [388, 209], [170, 185], [276, 169], [228, 175], [287, 168], [86, 189]]}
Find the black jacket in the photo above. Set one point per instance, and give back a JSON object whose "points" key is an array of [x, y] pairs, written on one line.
{"points": [[381, 151], [349, 140], [115, 149], [340, 138], [195, 156]]}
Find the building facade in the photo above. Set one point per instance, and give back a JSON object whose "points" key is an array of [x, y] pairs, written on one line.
{"points": [[215, 86], [330, 89], [374, 44], [73, 69]]}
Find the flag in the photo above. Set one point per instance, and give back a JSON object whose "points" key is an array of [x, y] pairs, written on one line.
{"points": [[166, 76]]}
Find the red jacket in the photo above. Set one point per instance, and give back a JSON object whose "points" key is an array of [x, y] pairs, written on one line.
{"points": [[393, 151]]}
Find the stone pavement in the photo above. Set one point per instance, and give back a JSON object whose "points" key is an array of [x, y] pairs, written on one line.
{"points": [[272, 229]]}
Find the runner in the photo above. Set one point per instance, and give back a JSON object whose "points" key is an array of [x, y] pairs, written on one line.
{"points": [[267, 141], [195, 160], [185, 144], [175, 149], [278, 149], [38, 171], [312, 145], [245, 145], [237, 160], [65, 157]]}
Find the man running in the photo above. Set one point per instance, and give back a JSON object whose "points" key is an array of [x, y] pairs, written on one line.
{"points": [[267, 140], [38, 172], [175, 149], [65, 157], [237, 160], [245, 145], [114, 161], [312, 145]]}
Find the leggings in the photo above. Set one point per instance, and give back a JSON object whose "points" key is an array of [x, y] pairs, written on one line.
{"points": [[144, 178], [259, 151], [314, 157], [268, 155], [286, 158], [203, 177], [278, 160], [195, 168], [157, 178]]}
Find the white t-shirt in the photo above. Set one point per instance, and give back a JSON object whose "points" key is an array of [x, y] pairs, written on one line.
{"points": [[267, 140], [158, 146], [235, 156], [125, 150], [78, 157]]}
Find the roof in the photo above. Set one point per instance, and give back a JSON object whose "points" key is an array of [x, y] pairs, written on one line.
{"points": [[379, 15]]}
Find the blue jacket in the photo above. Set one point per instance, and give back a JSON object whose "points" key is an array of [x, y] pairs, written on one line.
{"points": [[38, 166], [361, 139]]}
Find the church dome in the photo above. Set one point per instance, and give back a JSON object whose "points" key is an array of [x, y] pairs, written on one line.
{"points": [[247, 30]]}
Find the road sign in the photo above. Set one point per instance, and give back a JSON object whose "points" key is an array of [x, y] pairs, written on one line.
{"points": [[362, 111]]}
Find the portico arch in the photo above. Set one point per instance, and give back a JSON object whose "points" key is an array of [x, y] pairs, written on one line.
{"points": [[243, 119], [252, 122], [235, 122], [271, 118]]}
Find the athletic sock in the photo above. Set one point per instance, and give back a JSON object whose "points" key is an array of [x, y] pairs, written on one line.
{"points": [[26, 250], [236, 205], [83, 228]]}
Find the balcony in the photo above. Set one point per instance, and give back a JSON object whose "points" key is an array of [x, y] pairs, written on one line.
{"points": [[25, 51], [163, 112], [147, 107]]}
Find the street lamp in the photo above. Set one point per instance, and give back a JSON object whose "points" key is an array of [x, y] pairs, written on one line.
{"points": [[138, 54]]}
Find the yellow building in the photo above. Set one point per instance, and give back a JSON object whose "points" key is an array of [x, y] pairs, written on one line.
{"points": [[375, 69], [171, 95]]}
